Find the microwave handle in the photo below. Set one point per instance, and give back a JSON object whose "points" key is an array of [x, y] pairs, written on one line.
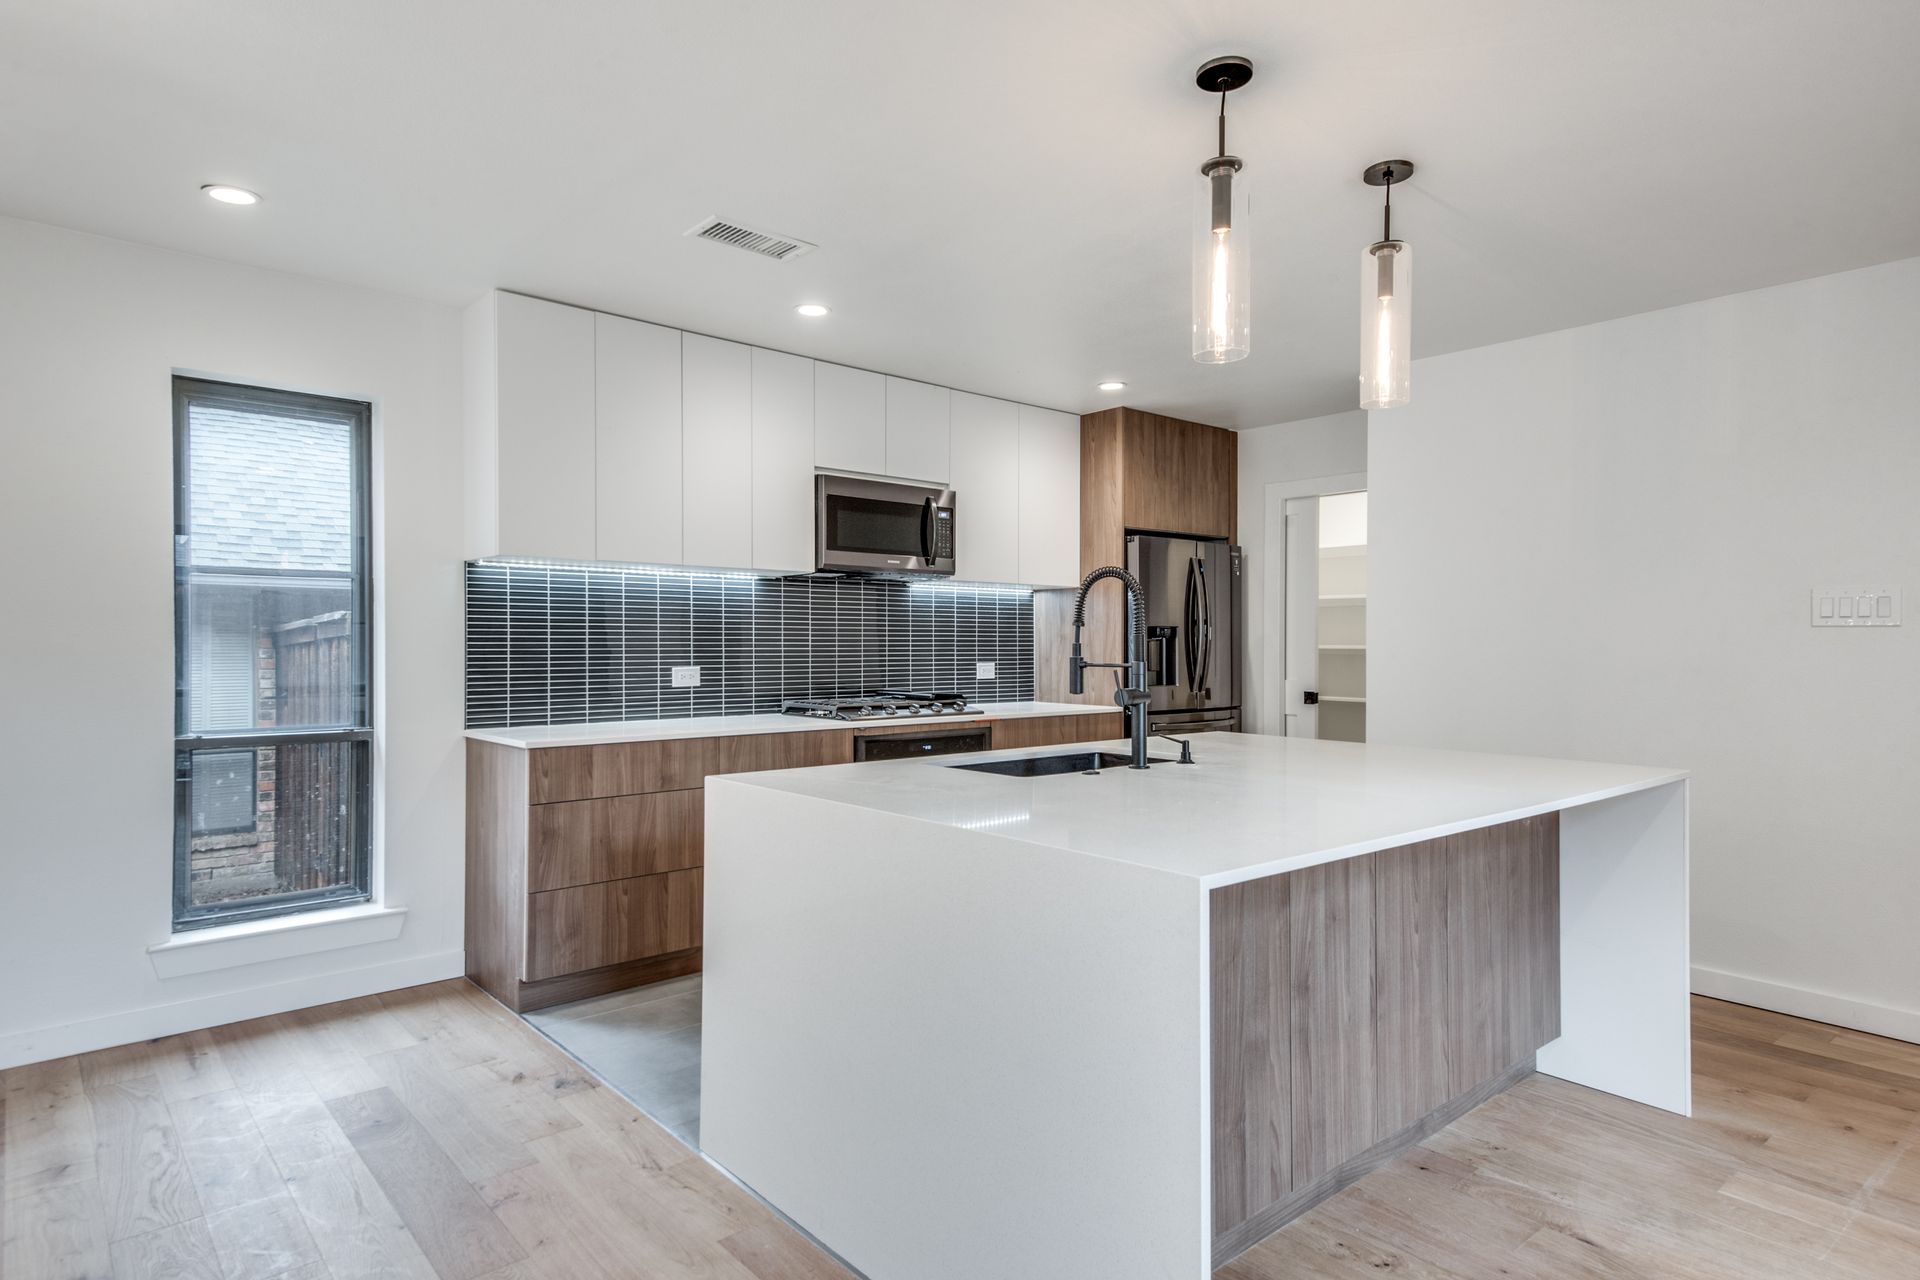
{"points": [[926, 531]]}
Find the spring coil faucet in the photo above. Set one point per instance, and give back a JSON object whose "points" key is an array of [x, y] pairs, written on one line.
{"points": [[1131, 697]]}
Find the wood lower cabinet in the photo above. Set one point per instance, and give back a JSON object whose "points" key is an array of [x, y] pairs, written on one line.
{"points": [[584, 863]]}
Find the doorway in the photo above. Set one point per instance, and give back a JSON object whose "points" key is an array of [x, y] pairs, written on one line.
{"points": [[1321, 598]]}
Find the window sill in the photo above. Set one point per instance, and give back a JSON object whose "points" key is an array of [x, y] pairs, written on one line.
{"points": [[257, 941]]}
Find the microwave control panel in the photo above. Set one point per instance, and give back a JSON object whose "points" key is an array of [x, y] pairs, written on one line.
{"points": [[943, 534]]}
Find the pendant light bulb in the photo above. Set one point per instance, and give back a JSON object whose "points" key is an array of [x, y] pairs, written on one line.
{"points": [[1221, 264], [1386, 304]]}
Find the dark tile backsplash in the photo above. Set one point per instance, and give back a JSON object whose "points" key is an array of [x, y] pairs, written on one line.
{"points": [[553, 645]]}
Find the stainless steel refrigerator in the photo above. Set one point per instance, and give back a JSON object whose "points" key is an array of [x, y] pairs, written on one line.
{"points": [[1193, 631]]}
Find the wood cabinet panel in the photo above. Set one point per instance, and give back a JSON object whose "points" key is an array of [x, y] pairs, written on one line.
{"points": [[1367, 1002], [614, 838], [1252, 1059], [1181, 477], [675, 764], [1047, 731], [559, 773], [1330, 930], [612, 922], [1410, 983]]}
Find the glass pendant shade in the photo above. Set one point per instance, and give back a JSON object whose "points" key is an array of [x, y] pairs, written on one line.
{"points": [[1386, 324], [1222, 290]]}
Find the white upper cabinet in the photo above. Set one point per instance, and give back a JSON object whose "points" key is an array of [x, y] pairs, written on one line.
{"points": [[782, 462], [716, 442], [1049, 498], [543, 371], [986, 488], [637, 434], [918, 431], [849, 419]]}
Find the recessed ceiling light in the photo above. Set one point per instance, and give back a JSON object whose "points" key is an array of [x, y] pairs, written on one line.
{"points": [[230, 195], [1113, 386], [813, 310]]}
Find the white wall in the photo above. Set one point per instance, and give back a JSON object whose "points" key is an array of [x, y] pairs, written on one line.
{"points": [[1599, 543], [1303, 450], [91, 331]]}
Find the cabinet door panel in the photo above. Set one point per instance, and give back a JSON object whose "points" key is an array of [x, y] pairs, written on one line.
{"points": [[544, 354], [1049, 498], [849, 419], [1048, 731], [629, 768], [592, 925], [986, 487], [586, 841], [782, 462], [716, 443], [637, 433], [919, 429]]}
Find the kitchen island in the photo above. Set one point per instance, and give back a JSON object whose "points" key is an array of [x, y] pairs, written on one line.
{"points": [[959, 1023]]}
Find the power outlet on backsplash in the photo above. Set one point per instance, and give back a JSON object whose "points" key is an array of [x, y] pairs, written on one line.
{"points": [[686, 677], [983, 671]]}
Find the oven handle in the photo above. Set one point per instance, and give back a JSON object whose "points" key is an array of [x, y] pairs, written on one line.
{"points": [[926, 532]]}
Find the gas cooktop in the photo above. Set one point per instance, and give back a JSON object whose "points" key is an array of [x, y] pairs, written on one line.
{"points": [[879, 706]]}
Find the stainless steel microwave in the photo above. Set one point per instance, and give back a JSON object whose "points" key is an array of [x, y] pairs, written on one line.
{"points": [[882, 526]]}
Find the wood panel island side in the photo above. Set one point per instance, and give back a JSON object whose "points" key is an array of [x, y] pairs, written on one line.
{"points": [[959, 1023]]}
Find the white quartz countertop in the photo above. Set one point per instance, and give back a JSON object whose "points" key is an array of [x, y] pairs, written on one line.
{"points": [[586, 735], [1250, 806]]}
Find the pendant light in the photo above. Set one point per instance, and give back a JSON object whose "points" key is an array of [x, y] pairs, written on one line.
{"points": [[1386, 302], [1221, 288]]}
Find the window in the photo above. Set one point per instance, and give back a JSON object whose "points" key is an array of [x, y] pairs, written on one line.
{"points": [[273, 737]]}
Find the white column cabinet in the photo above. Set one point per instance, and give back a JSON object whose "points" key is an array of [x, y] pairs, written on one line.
{"points": [[782, 462], [986, 486], [1049, 498], [637, 498], [543, 354], [918, 431], [716, 442], [849, 419], [595, 437]]}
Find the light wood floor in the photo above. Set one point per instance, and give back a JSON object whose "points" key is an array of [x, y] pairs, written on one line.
{"points": [[429, 1132]]}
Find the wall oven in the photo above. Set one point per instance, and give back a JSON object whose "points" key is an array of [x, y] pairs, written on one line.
{"points": [[883, 526]]}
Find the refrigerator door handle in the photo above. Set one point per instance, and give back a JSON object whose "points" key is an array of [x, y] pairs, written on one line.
{"points": [[1192, 628], [1201, 686]]}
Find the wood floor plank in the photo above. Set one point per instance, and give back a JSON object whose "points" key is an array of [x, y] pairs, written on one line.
{"points": [[772, 1251], [47, 1129], [144, 1182], [445, 1215], [55, 1232], [186, 1065], [269, 1074], [467, 1133], [183, 1251], [359, 1234], [262, 1239], [226, 1157]]}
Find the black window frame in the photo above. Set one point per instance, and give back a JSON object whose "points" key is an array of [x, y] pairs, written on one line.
{"points": [[187, 916]]}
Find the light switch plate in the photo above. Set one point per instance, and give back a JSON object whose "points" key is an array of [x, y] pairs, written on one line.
{"points": [[1855, 606], [983, 671], [686, 677]]}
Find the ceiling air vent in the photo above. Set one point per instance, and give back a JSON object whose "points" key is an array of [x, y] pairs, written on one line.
{"points": [[764, 243]]}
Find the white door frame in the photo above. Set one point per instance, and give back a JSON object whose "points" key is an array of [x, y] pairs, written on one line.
{"points": [[1273, 598]]}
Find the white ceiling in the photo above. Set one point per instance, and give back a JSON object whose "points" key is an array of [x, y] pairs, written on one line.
{"points": [[1000, 191]]}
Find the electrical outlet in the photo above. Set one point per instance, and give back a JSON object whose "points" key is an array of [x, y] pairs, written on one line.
{"points": [[686, 677], [983, 671]]}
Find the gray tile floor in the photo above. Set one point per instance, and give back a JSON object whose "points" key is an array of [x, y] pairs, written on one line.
{"points": [[645, 1042]]}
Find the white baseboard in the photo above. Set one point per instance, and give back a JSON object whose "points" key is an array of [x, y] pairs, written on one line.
{"points": [[1820, 1006], [39, 1045]]}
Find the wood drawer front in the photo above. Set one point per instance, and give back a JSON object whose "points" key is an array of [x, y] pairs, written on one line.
{"points": [[591, 925], [1048, 731], [636, 768], [579, 842]]}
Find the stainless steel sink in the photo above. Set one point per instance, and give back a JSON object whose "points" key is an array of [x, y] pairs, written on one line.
{"points": [[1046, 766]]}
